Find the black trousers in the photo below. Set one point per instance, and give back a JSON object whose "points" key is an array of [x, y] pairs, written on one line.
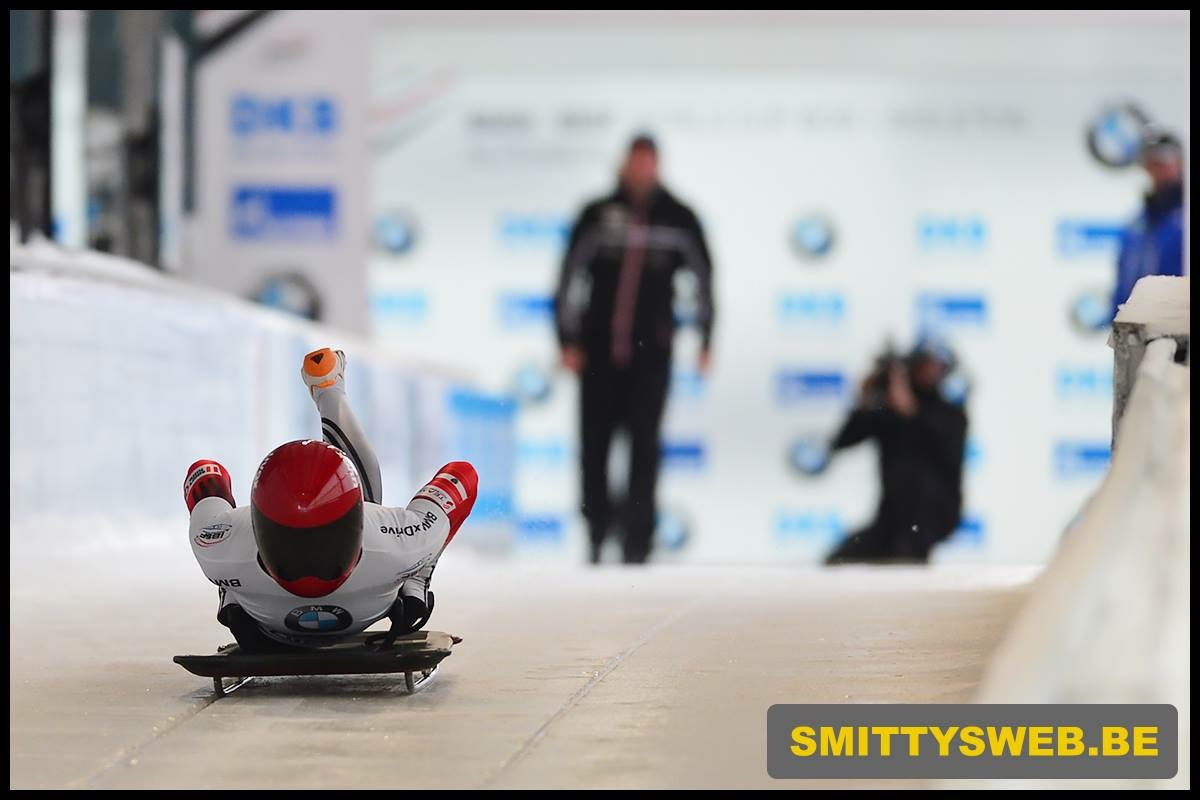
{"points": [[250, 638], [914, 518], [630, 399], [879, 543]]}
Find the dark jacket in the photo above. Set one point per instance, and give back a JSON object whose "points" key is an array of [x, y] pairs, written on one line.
{"points": [[665, 237], [920, 464], [1153, 244]]}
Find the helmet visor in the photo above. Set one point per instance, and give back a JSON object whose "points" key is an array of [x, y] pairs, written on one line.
{"points": [[324, 552]]}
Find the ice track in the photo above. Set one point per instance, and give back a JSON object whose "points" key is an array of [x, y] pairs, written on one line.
{"points": [[566, 678]]}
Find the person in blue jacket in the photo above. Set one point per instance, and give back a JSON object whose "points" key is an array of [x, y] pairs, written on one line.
{"points": [[1153, 243]]}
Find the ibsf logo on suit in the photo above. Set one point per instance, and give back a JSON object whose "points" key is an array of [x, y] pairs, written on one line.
{"points": [[212, 534]]}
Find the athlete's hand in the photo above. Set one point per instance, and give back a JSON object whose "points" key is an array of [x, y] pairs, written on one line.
{"points": [[704, 363], [573, 358]]}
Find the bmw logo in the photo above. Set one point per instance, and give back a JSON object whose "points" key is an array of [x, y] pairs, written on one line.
{"points": [[1090, 312], [672, 530], [808, 455], [954, 388], [1114, 136], [395, 233], [290, 292], [318, 619], [812, 236], [531, 386]]}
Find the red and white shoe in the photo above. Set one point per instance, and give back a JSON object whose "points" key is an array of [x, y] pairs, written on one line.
{"points": [[454, 488]]}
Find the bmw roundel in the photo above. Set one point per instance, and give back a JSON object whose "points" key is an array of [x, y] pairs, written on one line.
{"points": [[672, 530], [292, 292], [395, 233], [812, 236], [1090, 312], [531, 385], [955, 388], [808, 455], [1114, 137], [318, 619]]}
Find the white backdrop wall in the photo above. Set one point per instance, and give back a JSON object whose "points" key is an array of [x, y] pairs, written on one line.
{"points": [[946, 155]]}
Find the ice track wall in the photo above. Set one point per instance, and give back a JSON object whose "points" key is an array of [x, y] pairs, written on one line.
{"points": [[1109, 620], [121, 377]]}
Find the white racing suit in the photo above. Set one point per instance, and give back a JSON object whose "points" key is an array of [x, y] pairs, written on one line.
{"points": [[400, 549]]}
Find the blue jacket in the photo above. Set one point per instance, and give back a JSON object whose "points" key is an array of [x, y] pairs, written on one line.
{"points": [[1153, 244]]}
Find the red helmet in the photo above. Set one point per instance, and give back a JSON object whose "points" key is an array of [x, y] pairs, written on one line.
{"points": [[307, 511]]}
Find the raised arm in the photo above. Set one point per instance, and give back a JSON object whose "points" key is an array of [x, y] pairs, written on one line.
{"points": [[208, 493]]}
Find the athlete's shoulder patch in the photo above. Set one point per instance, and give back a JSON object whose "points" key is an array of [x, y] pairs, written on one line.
{"points": [[214, 534]]}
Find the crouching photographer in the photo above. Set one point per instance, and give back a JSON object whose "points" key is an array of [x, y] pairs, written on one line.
{"points": [[921, 438]]}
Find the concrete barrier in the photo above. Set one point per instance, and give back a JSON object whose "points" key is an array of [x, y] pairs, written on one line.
{"points": [[1158, 308]]}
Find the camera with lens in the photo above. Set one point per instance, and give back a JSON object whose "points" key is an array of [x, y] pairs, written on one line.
{"points": [[876, 386]]}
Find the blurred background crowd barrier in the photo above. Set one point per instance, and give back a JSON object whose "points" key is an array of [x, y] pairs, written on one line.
{"points": [[410, 177]]}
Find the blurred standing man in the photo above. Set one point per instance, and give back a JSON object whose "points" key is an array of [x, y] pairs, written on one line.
{"points": [[615, 322], [922, 440], [1153, 244]]}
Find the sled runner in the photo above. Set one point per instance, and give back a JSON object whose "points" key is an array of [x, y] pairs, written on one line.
{"points": [[416, 656]]}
